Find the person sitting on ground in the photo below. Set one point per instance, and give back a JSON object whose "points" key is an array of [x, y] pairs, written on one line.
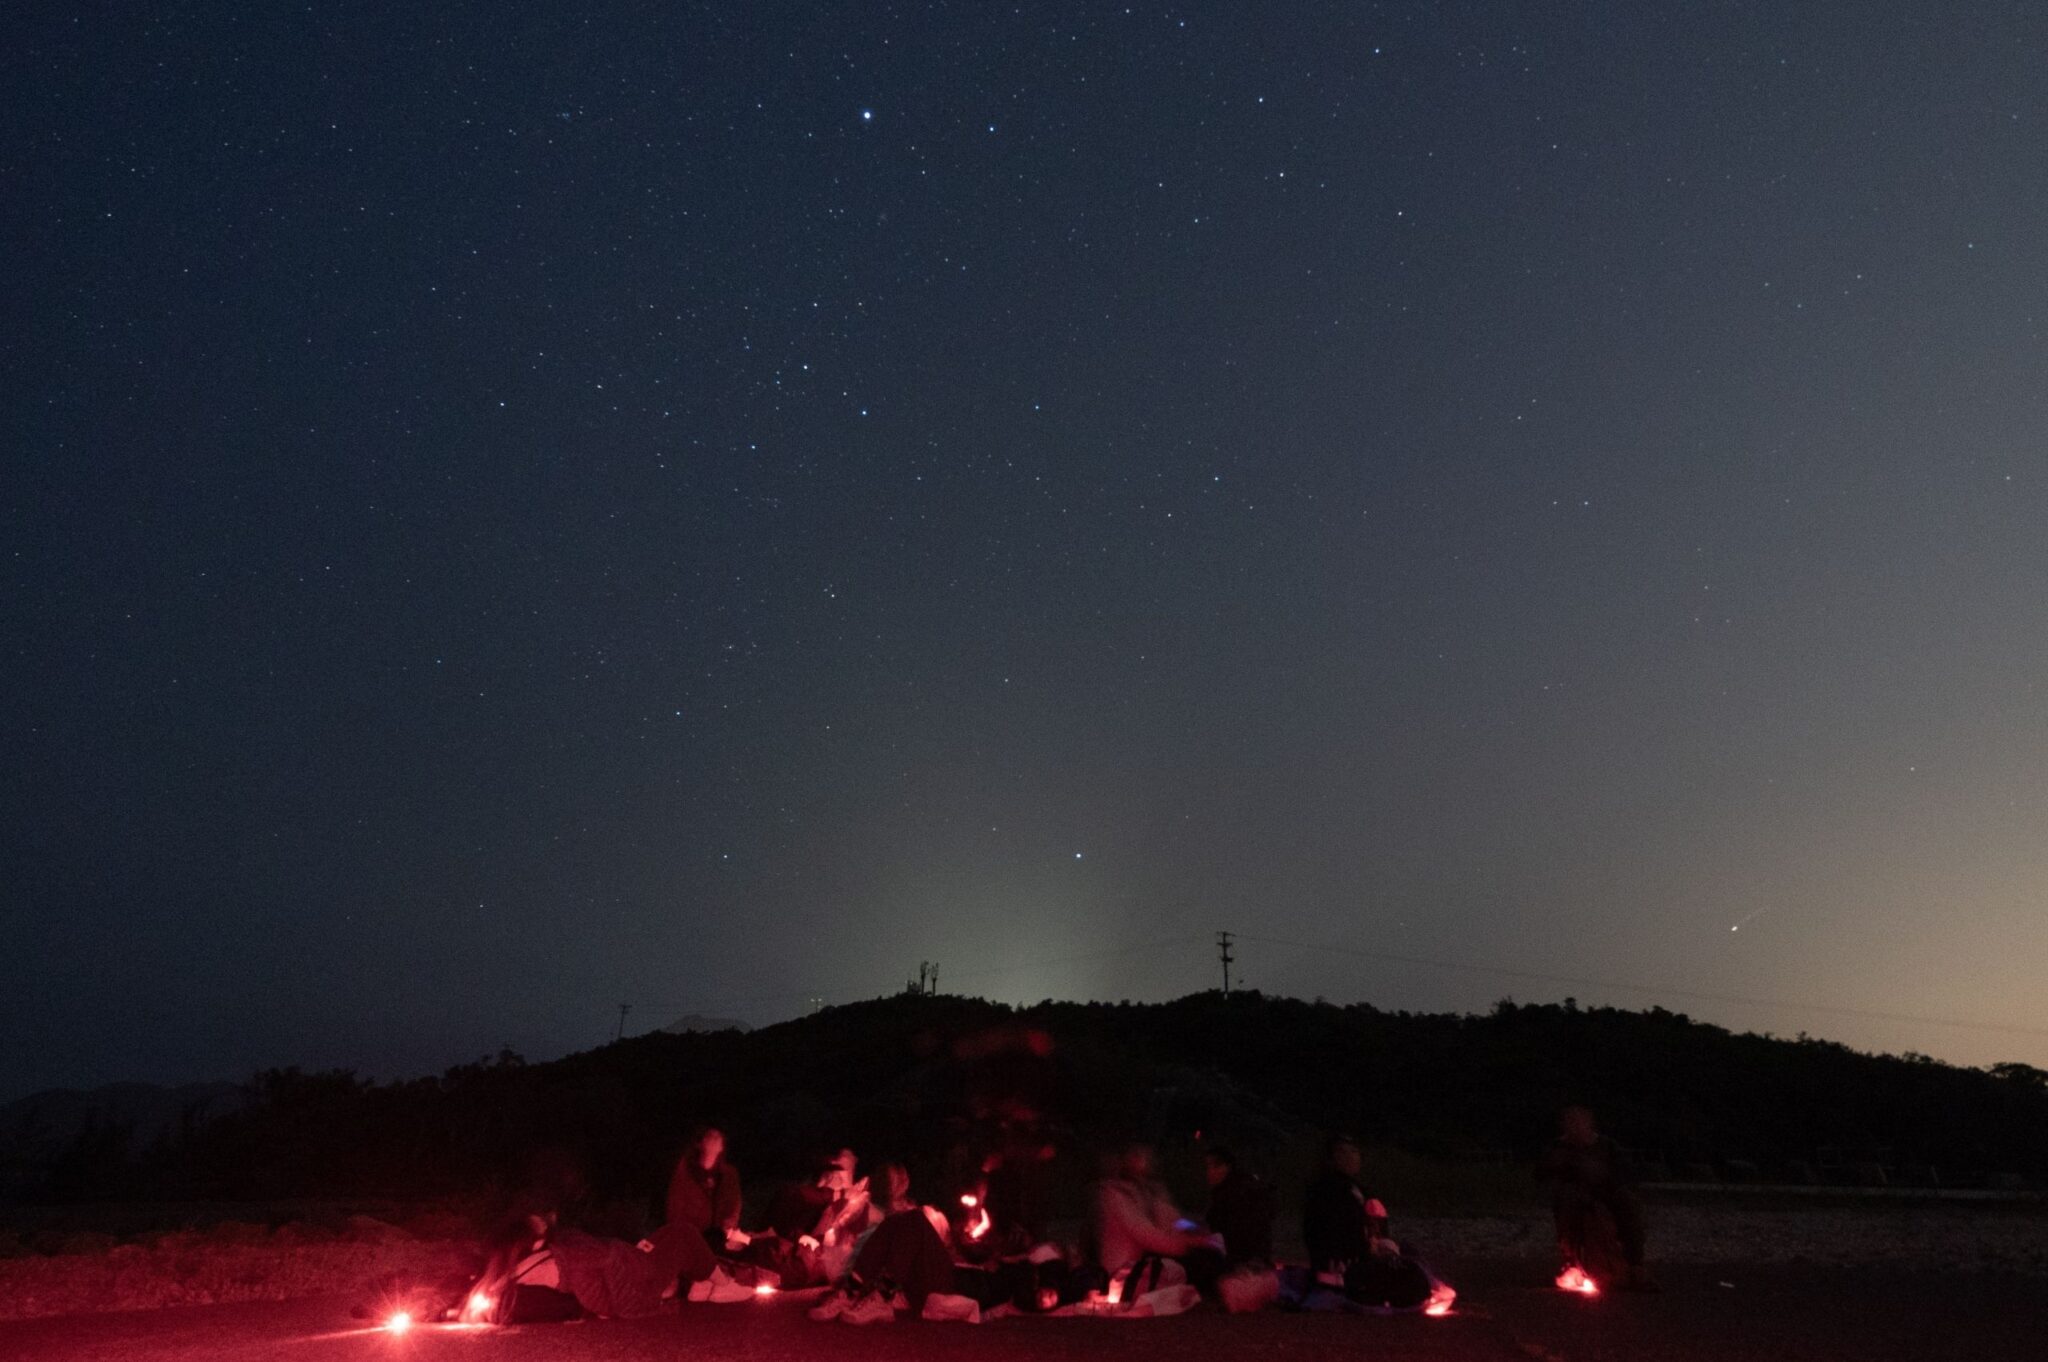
{"points": [[848, 1211], [889, 1190], [811, 1234], [1349, 1248], [704, 1190], [1589, 1174], [1338, 1221], [1136, 1226], [809, 1205], [898, 1261], [828, 1248], [997, 1262], [1240, 1209], [1235, 1266]]}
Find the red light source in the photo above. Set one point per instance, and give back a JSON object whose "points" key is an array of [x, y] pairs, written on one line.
{"points": [[400, 1322], [764, 1290], [979, 1225], [1441, 1297], [1574, 1278]]}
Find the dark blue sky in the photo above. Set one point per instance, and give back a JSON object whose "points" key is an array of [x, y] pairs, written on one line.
{"points": [[515, 509]]}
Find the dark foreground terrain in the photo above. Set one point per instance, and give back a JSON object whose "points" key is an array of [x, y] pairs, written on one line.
{"points": [[1725, 1314]]}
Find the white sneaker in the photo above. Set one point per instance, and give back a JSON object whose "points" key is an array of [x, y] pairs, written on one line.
{"points": [[941, 1305], [720, 1289], [728, 1291], [873, 1308], [832, 1307]]}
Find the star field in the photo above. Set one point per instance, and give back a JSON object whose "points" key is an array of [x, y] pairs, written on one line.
{"points": [[509, 512]]}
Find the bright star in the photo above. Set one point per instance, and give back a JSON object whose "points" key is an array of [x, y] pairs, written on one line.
{"points": [[867, 115]]}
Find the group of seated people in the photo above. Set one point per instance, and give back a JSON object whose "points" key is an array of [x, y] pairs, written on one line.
{"points": [[870, 1250]]}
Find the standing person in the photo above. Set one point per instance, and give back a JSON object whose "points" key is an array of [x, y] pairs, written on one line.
{"points": [[704, 1190], [1589, 1174]]}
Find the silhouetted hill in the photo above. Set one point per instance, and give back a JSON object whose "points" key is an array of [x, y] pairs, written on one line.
{"points": [[74, 1140], [941, 1081]]}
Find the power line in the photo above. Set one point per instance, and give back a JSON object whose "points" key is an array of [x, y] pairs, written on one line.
{"points": [[1661, 990]]}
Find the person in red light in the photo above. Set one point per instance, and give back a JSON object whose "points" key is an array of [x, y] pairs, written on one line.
{"points": [[1592, 1181], [898, 1261], [704, 1190]]}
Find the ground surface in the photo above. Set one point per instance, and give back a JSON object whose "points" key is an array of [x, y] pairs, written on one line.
{"points": [[1822, 1314]]}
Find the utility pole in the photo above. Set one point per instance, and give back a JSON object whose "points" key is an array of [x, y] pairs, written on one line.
{"points": [[624, 1008], [1223, 940]]}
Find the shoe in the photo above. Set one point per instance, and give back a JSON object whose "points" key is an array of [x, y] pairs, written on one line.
{"points": [[942, 1305], [832, 1307], [873, 1308], [720, 1289]]}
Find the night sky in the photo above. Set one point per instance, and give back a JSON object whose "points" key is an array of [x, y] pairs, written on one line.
{"points": [[510, 510]]}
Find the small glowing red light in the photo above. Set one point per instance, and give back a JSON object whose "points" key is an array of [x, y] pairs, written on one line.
{"points": [[1440, 1301], [1574, 1278], [764, 1290], [399, 1322]]}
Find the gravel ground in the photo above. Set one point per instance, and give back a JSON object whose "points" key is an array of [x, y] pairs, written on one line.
{"points": [[216, 1269], [254, 1265], [1927, 1236], [1708, 1313]]}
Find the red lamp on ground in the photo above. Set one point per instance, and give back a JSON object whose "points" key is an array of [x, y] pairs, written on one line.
{"points": [[1574, 1278]]}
